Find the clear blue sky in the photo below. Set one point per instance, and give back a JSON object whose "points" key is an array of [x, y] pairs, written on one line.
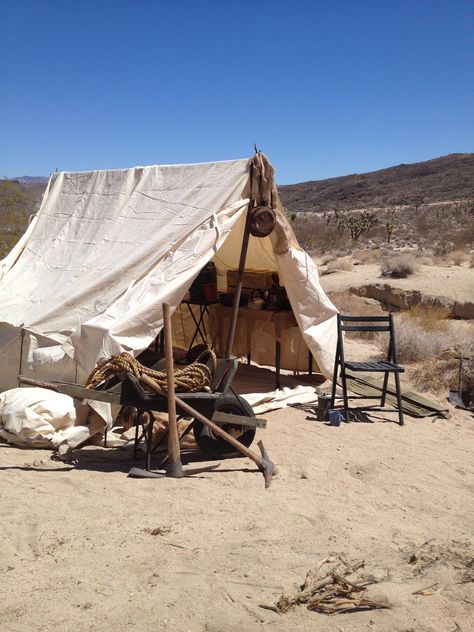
{"points": [[325, 88]]}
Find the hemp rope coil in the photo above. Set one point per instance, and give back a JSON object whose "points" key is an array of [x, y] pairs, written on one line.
{"points": [[191, 378]]}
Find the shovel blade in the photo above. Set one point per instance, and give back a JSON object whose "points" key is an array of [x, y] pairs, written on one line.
{"points": [[461, 400]]}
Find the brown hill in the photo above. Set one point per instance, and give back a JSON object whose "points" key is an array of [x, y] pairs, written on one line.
{"points": [[440, 180]]}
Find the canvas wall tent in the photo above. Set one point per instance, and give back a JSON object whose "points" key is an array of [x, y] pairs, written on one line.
{"points": [[107, 248]]}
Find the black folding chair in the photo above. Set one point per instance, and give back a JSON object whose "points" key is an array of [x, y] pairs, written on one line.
{"points": [[367, 323]]}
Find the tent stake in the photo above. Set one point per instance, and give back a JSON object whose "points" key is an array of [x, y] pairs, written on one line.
{"points": [[174, 468], [238, 289]]}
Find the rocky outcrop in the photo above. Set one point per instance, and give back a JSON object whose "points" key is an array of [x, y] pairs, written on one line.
{"points": [[393, 297]]}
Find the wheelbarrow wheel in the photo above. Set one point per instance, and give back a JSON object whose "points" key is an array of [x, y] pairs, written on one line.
{"points": [[215, 446]]}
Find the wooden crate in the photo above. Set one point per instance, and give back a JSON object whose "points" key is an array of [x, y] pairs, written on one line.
{"points": [[253, 280]]}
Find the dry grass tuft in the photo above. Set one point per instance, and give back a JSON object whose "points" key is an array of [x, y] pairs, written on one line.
{"points": [[339, 265], [415, 342], [442, 373], [425, 260], [458, 257], [366, 255], [325, 259], [399, 266], [427, 338], [433, 318], [421, 333]]}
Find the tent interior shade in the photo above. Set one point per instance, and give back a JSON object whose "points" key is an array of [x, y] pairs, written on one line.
{"points": [[108, 248]]}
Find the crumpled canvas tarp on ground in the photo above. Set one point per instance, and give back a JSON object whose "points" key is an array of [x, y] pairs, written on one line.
{"points": [[41, 418]]}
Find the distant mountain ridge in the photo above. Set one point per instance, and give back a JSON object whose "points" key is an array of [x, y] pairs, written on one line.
{"points": [[31, 179], [439, 180]]}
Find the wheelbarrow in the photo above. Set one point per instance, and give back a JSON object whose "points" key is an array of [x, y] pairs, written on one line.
{"points": [[221, 405]]}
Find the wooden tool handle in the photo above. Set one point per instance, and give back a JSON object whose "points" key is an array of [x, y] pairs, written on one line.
{"points": [[264, 463], [174, 468], [31, 382]]}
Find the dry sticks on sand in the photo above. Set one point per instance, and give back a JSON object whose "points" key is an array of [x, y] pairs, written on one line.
{"points": [[330, 592]]}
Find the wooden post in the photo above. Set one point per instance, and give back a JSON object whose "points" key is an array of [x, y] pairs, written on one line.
{"points": [[174, 467], [238, 289]]}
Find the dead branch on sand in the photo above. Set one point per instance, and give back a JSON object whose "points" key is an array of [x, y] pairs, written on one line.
{"points": [[332, 592]]}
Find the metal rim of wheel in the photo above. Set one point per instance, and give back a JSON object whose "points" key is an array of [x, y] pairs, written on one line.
{"points": [[216, 447]]}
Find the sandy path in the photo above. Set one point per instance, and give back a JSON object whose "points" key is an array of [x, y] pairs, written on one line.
{"points": [[76, 554]]}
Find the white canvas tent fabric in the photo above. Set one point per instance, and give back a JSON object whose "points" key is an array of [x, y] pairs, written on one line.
{"points": [[108, 248]]}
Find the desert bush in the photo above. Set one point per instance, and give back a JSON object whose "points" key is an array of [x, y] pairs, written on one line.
{"points": [[366, 255], [415, 341], [398, 266], [325, 259], [443, 247], [457, 257], [430, 317], [425, 260], [316, 236], [442, 373], [338, 265]]}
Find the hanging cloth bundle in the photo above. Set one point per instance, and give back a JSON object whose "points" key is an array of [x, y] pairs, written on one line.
{"points": [[262, 217]]}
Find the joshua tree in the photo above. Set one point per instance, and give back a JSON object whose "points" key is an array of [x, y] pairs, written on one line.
{"points": [[389, 225], [361, 223]]}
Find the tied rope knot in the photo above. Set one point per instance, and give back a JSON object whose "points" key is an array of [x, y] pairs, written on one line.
{"points": [[196, 376]]}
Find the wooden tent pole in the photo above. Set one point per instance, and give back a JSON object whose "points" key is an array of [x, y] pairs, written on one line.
{"points": [[238, 289], [174, 467]]}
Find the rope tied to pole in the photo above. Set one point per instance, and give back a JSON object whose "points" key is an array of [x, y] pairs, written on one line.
{"points": [[194, 377]]}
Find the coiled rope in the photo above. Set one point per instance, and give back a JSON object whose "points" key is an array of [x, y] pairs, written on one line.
{"points": [[191, 378]]}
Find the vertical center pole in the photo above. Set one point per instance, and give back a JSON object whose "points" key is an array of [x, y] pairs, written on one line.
{"points": [[174, 467], [238, 289]]}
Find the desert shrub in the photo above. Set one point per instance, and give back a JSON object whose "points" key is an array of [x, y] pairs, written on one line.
{"points": [[442, 373], [366, 255], [338, 265], [458, 257], [415, 342], [316, 235], [443, 247], [430, 317], [425, 260], [330, 256], [398, 266]]}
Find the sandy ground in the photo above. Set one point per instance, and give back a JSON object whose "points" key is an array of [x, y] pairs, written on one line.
{"points": [[77, 550], [453, 282], [78, 553]]}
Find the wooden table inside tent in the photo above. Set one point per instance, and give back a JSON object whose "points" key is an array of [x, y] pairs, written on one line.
{"points": [[281, 320]]}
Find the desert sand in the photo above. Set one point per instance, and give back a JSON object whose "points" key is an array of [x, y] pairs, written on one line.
{"points": [[455, 283], [86, 548]]}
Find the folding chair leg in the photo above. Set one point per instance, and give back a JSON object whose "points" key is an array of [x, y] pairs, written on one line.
{"points": [[334, 376], [399, 399], [344, 393], [333, 392], [384, 389]]}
